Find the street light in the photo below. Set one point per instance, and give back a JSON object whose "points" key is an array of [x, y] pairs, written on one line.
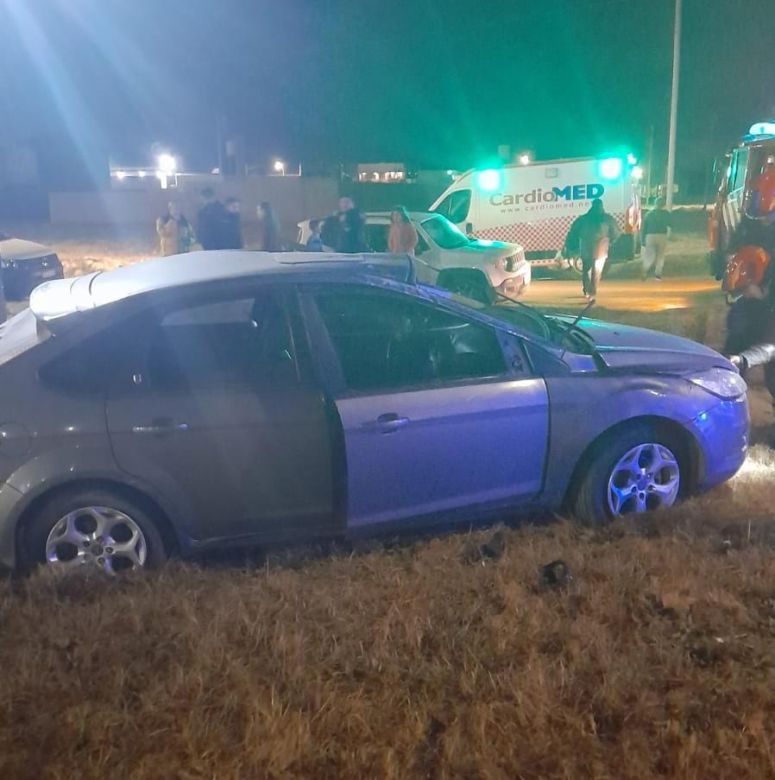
{"points": [[279, 167], [673, 105], [166, 163], [524, 159]]}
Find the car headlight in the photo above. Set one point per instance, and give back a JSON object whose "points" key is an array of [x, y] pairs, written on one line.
{"points": [[720, 382]]}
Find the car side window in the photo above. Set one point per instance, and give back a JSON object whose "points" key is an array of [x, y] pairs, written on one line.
{"points": [[386, 341], [245, 342], [455, 206]]}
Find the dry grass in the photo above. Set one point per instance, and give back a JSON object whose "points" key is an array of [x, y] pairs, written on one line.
{"points": [[415, 660], [655, 660]]}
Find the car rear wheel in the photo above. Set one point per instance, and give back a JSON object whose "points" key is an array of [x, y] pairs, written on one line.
{"points": [[635, 471], [93, 529]]}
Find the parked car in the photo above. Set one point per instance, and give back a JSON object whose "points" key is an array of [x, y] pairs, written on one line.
{"points": [[448, 258], [228, 398], [25, 264]]}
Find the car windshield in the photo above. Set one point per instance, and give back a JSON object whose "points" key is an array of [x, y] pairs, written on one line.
{"points": [[443, 233], [530, 320]]}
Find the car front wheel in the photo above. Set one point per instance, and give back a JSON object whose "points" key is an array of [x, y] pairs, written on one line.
{"points": [[93, 529], [634, 471]]}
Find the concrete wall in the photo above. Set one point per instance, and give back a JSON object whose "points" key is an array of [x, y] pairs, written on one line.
{"points": [[293, 198]]}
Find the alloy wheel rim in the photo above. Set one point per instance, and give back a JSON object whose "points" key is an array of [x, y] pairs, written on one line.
{"points": [[99, 537], [647, 477]]}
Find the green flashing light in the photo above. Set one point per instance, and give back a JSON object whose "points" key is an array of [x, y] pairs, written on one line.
{"points": [[610, 168], [489, 180]]}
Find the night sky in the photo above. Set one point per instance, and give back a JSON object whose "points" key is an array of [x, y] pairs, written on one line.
{"points": [[432, 82]]}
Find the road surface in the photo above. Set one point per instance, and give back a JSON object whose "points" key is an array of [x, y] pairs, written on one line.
{"points": [[624, 294]]}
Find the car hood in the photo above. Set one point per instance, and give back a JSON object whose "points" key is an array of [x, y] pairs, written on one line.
{"points": [[19, 249], [625, 346], [482, 247]]}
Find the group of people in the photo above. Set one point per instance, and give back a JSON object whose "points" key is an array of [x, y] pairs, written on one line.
{"points": [[592, 234], [344, 231], [219, 226]]}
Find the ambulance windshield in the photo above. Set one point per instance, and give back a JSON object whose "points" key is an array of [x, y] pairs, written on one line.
{"points": [[444, 234]]}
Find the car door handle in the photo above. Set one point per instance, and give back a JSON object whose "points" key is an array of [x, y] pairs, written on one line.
{"points": [[391, 422], [161, 427]]}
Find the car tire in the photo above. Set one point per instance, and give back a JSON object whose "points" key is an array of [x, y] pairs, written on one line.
{"points": [[613, 473], [576, 264], [96, 526]]}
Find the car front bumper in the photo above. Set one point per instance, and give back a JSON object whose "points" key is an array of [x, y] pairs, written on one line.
{"points": [[722, 432], [510, 282]]}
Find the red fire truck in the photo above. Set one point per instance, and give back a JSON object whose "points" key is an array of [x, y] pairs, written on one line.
{"points": [[744, 210]]}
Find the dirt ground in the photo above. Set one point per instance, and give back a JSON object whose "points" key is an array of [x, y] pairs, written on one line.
{"points": [[456, 656]]}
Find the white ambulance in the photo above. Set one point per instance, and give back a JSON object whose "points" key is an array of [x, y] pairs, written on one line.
{"points": [[534, 205]]}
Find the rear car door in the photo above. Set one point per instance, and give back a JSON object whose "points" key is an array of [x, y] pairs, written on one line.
{"points": [[216, 408], [435, 416]]}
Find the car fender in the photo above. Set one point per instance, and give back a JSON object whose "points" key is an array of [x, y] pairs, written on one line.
{"points": [[582, 409], [71, 465]]}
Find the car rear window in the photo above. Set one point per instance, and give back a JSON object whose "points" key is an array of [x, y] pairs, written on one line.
{"points": [[19, 334]]}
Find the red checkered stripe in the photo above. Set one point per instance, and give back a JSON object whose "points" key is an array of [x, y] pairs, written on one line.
{"points": [[546, 235]]}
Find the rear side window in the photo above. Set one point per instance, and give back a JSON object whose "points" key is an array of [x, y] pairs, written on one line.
{"points": [[244, 341], [89, 367], [386, 341], [456, 206]]}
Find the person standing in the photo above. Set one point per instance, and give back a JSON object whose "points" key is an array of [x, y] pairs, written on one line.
{"points": [[268, 229], [762, 200], [211, 221], [175, 233], [590, 238], [656, 231], [314, 242], [232, 229], [402, 236], [350, 239]]}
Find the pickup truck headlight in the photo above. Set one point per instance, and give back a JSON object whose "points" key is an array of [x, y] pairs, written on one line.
{"points": [[721, 382]]}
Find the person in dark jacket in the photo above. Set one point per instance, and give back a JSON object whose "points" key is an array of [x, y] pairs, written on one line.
{"points": [[344, 230], [656, 231], [232, 227], [590, 237], [210, 221], [750, 340]]}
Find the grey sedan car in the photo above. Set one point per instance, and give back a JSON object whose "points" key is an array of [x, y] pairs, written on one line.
{"points": [[223, 398]]}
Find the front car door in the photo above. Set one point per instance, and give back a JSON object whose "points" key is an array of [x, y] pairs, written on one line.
{"points": [[435, 417], [216, 409]]}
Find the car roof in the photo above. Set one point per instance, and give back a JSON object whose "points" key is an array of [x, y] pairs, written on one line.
{"points": [[56, 299]]}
